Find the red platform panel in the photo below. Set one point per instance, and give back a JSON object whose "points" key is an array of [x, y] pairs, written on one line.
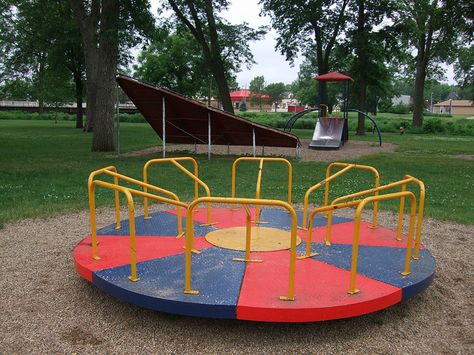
{"points": [[320, 291], [115, 251]]}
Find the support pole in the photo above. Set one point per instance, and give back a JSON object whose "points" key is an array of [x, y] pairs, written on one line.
{"points": [[164, 128], [118, 122], [209, 136], [253, 139]]}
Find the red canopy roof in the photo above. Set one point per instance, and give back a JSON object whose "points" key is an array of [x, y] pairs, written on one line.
{"points": [[333, 76], [187, 120], [240, 94]]}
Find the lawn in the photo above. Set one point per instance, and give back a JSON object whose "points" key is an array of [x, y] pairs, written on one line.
{"points": [[44, 168]]}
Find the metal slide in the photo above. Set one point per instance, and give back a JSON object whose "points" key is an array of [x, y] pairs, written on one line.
{"points": [[328, 133]]}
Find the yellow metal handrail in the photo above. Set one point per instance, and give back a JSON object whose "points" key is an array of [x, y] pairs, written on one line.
{"points": [[128, 192], [152, 187], [408, 179], [317, 186], [355, 245], [116, 192], [244, 201], [194, 176], [360, 167], [131, 212], [261, 160]]}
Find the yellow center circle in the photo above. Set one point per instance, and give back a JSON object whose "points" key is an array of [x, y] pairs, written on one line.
{"points": [[261, 239]]}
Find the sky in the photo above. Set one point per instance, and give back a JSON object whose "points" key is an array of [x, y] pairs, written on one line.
{"points": [[269, 62]]}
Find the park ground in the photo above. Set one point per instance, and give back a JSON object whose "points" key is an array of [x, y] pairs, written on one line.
{"points": [[48, 308]]}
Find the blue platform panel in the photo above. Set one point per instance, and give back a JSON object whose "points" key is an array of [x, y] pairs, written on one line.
{"points": [[161, 284], [380, 263], [161, 224]]}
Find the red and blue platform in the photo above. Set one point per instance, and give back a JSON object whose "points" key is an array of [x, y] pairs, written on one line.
{"points": [[250, 291]]}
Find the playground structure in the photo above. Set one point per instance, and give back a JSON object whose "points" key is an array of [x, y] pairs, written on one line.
{"points": [[246, 258], [331, 131]]}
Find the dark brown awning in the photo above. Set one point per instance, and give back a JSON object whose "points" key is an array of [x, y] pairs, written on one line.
{"points": [[187, 120]]}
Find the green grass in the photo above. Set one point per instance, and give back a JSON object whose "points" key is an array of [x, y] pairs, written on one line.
{"points": [[44, 168]]}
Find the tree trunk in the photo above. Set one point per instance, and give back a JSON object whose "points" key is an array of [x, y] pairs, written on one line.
{"points": [[91, 60], [418, 96], [41, 86], [361, 48], [79, 97], [103, 137], [218, 72]]}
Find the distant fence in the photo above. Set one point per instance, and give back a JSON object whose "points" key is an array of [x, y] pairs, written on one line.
{"points": [[33, 106]]}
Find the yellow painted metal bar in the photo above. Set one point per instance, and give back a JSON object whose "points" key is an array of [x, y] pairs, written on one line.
{"points": [[360, 167], [167, 160], [317, 186], [93, 174], [313, 214], [248, 233], [200, 182], [243, 201], [259, 159], [145, 188], [355, 195], [421, 210], [400, 214], [257, 192], [131, 211], [355, 244]]}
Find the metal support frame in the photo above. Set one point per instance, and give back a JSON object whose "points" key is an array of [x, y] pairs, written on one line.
{"points": [[355, 244], [128, 192], [408, 179], [326, 182], [254, 143], [118, 123], [290, 296], [259, 178], [164, 127], [209, 137], [193, 176]]}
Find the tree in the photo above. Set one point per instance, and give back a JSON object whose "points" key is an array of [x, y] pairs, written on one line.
{"points": [[308, 26], [43, 47], [368, 67], [432, 28], [174, 61], [464, 69], [17, 89], [104, 26], [276, 92], [257, 88], [223, 45], [243, 106]]}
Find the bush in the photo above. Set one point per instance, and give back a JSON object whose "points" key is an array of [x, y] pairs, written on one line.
{"points": [[400, 109], [243, 106]]}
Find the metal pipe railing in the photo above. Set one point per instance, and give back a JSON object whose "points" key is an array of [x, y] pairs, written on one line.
{"points": [[407, 180], [317, 186], [259, 178], [355, 244], [244, 201], [360, 167], [128, 192], [194, 176]]}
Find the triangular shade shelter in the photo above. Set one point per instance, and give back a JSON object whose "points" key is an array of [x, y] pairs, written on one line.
{"points": [[187, 121]]}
